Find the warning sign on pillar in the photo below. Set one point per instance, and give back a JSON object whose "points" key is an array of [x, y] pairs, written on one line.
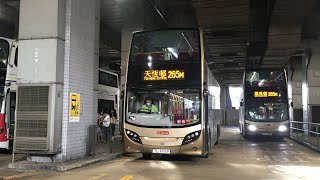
{"points": [[74, 107]]}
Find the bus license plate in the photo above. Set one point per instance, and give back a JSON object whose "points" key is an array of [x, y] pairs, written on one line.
{"points": [[267, 134], [161, 151]]}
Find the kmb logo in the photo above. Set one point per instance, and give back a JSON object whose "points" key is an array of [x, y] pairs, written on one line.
{"points": [[163, 132]]}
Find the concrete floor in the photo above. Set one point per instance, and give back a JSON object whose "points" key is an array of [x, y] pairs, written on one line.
{"points": [[232, 158], [5, 159]]}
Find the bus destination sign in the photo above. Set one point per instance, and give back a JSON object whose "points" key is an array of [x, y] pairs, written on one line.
{"points": [[163, 75], [263, 94]]}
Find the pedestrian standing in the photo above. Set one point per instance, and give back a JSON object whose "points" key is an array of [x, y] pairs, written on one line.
{"points": [[106, 125], [113, 118]]}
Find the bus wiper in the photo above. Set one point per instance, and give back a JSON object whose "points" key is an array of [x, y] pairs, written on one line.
{"points": [[137, 87]]}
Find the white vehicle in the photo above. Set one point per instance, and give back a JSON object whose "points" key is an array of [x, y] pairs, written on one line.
{"points": [[264, 107], [8, 74], [108, 92]]}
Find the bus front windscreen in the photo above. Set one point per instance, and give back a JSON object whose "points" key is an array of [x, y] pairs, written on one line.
{"points": [[267, 111], [163, 108]]}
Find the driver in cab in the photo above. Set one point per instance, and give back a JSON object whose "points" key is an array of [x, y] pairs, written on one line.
{"points": [[149, 107]]}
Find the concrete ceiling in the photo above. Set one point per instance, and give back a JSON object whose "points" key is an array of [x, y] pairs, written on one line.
{"points": [[238, 34]]}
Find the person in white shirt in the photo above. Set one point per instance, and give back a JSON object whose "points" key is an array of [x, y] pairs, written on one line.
{"points": [[106, 125]]}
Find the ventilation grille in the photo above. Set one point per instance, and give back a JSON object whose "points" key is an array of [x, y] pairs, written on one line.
{"points": [[32, 118]]}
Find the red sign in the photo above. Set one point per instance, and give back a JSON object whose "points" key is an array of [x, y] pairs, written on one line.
{"points": [[163, 132]]}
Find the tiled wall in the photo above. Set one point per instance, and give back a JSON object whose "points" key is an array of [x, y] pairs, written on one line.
{"points": [[79, 74]]}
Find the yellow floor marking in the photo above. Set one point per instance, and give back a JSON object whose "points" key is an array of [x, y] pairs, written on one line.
{"points": [[128, 177], [97, 177], [20, 175]]}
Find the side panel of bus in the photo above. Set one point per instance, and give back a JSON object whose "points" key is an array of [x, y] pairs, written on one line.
{"points": [[211, 108], [10, 116]]}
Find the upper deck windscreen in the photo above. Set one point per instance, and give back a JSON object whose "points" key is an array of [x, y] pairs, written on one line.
{"points": [[265, 78], [165, 45]]}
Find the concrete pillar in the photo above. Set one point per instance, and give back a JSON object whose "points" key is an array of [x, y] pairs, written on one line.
{"points": [[69, 28], [96, 58], [81, 56], [311, 84], [223, 103], [223, 97], [228, 98], [295, 89], [41, 63]]}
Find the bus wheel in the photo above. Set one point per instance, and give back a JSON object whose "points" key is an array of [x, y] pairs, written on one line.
{"points": [[244, 135], [280, 138], [206, 153], [146, 156], [218, 134]]}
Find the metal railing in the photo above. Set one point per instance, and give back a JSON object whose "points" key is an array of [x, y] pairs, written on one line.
{"points": [[107, 143], [307, 133]]}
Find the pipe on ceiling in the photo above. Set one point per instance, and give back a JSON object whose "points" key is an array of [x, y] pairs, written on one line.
{"points": [[159, 12]]}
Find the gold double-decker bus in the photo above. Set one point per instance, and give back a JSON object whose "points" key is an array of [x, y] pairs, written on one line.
{"points": [[264, 106], [170, 98]]}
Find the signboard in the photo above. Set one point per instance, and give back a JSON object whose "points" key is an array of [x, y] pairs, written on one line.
{"points": [[74, 107], [263, 94], [163, 75]]}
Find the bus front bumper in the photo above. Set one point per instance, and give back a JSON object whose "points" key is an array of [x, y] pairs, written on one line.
{"points": [[280, 129], [193, 149], [268, 133]]}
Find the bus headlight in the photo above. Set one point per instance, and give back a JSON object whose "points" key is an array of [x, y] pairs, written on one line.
{"points": [[191, 137], [282, 128], [252, 127], [133, 136]]}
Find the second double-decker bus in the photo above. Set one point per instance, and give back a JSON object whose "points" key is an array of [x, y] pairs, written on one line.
{"points": [[8, 72], [167, 69], [264, 108], [108, 92]]}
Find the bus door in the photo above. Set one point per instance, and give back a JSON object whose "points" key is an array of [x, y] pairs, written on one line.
{"points": [[10, 116], [206, 120]]}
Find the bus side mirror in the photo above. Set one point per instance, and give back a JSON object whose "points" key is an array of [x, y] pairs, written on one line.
{"points": [[122, 94], [291, 104], [205, 93], [241, 103]]}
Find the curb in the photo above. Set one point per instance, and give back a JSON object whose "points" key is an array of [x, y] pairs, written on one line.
{"points": [[305, 144], [61, 167]]}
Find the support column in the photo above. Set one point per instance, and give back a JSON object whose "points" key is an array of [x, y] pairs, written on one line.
{"points": [[40, 70], [295, 89], [96, 59], [305, 92], [228, 98], [311, 84], [81, 56], [59, 47], [223, 103]]}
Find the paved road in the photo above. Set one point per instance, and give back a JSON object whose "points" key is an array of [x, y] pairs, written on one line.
{"points": [[5, 159], [232, 158]]}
